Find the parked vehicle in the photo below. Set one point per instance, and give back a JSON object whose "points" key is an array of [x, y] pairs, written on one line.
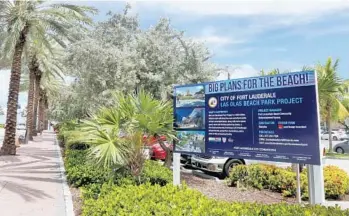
{"points": [[21, 139], [186, 159], [154, 149], [342, 147], [157, 152], [340, 131], [21, 126], [335, 136], [345, 136], [221, 165]]}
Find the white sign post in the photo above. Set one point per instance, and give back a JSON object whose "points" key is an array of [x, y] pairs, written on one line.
{"points": [[316, 184], [315, 172], [298, 193], [176, 168]]}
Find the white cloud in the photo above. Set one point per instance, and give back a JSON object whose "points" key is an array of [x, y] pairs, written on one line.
{"points": [[237, 71], [255, 7], [217, 40], [219, 44], [210, 36], [261, 15], [311, 33], [285, 65]]}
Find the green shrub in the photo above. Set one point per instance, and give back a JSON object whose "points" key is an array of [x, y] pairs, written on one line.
{"points": [[80, 172], [283, 180], [148, 200], [2, 125], [155, 173], [336, 182]]}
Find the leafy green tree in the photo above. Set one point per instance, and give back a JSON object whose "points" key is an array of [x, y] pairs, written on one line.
{"points": [[330, 88], [120, 56], [23, 21]]}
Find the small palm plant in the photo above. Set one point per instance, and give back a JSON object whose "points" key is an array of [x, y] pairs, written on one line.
{"points": [[115, 134], [103, 133]]}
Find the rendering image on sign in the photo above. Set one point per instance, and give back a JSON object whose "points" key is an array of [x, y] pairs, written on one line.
{"points": [[191, 141], [190, 118], [190, 96], [273, 118]]}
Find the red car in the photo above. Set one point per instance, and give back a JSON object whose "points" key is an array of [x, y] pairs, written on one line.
{"points": [[155, 150], [158, 153]]}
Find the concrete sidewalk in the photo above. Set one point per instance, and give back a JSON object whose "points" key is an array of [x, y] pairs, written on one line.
{"points": [[32, 182]]}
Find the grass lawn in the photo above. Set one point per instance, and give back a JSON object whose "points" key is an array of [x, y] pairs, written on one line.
{"points": [[336, 155]]}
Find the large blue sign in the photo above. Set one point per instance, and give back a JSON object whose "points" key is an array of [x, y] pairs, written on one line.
{"points": [[273, 118]]}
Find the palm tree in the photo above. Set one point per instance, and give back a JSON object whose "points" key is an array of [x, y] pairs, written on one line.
{"points": [[48, 87], [274, 71], [49, 64], [33, 66], [150, 116], [330, 95], [22, 21], [116, 133]]}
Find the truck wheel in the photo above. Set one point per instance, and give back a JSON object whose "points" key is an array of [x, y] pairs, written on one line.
{"points": [[229, 165]]}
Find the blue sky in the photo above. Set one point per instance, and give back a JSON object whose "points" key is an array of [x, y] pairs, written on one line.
{"points": [[253, 35], [248, 35]]}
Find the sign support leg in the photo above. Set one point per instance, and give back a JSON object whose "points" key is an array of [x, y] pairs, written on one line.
{"points": [[316, 184], [299, 195], [176, 168]]}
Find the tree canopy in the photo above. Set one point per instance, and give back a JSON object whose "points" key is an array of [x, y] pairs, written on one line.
{"points": [[118, 55]]}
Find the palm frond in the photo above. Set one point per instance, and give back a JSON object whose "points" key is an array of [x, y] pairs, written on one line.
{"points": [[341, 111]]}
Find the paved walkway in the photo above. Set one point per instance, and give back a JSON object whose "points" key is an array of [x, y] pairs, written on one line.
{"points": [[31, 183]]}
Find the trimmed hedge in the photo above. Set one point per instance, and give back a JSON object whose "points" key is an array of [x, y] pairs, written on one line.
{"points": [[82, 173], [148, 200], [262, 176], [155, 173]]}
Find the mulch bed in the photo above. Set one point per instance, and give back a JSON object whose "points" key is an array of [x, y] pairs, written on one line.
{"points": [[220, 191], [77, 201]]}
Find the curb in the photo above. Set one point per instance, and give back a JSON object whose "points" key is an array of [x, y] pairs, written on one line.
{"points": [[69, 210], [205, 176], [344, 205], [200, 174], [334, 158]]}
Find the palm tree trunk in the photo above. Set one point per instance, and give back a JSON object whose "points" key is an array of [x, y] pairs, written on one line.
{"points": [[168, 159], [45, 114], [36, 102], [329, 126], [9, 143], [41, 110], [33, 66]]}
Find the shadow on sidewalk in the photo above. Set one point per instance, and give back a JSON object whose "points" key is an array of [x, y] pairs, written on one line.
{"points": [[29, 178], [27, 193], [33, 174]]}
